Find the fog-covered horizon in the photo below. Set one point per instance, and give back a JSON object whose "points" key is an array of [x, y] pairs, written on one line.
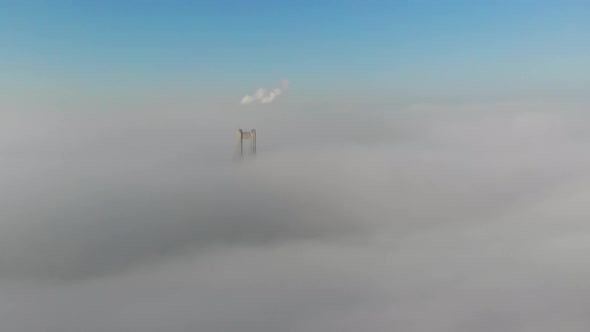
{"points": [[432, 217], [421, 166]]}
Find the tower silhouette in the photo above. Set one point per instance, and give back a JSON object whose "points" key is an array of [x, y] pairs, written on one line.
{"points": [[246, 136]]}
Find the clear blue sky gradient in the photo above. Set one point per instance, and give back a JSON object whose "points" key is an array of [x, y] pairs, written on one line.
{"points": [[364, 50]]}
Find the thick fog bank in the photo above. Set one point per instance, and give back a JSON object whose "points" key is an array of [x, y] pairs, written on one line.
{"points": [[427, 218]]}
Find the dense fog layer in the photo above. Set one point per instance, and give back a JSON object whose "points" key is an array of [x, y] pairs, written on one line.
{"points": [[422, 218]]}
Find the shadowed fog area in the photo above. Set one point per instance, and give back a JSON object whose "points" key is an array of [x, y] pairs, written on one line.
{"points": [[422, 218]]}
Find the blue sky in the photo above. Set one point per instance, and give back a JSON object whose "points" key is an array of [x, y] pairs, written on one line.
{"points": [[351, 51]]}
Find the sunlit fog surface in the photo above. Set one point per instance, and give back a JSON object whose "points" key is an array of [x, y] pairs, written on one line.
{"points": [[469, 217]]}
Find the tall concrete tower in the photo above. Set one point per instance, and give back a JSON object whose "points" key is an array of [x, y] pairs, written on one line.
{"points": [[246, 136]]}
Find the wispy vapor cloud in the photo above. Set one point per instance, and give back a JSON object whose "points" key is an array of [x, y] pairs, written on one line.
{"points": [[265, 95]]}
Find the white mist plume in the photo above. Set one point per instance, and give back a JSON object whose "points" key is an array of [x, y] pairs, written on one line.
{"points": [[264, 95]]}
